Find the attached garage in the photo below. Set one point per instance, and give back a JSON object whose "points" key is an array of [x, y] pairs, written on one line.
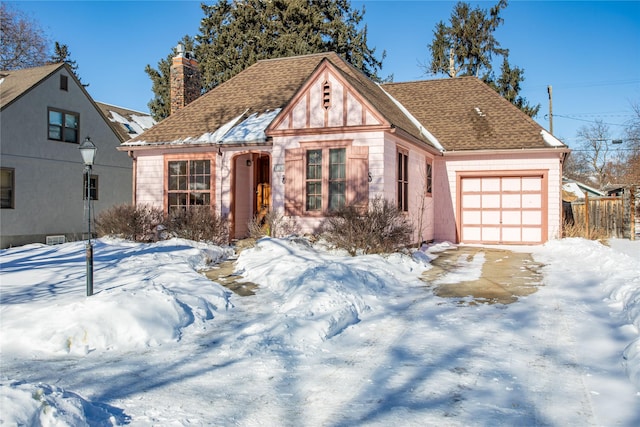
{"points": [[503, 207]]}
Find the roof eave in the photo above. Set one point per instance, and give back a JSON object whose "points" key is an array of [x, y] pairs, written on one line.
{"points": [[487, 152]]}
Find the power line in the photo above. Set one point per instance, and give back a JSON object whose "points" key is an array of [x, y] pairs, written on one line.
{"points": [[585, 120]]}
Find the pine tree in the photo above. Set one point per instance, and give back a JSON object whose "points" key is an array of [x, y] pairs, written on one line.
{"points": [[61, 54], [467, 46], [236, 34], [508, 85]]}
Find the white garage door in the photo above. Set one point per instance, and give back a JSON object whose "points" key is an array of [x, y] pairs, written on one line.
{"points": [[502, 209]]}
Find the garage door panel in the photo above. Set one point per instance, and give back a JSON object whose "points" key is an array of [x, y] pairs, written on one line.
{"points": [[471, 217], [502, 209], [472, 184], [531, 217], [531, 201], [491, 234], [511, 217], [531, 183], [471, 201], [490, 201], [512, 184], [490, 184], [472, 233], [511, 200], [511, 235], [532, 235], [491, 217]]}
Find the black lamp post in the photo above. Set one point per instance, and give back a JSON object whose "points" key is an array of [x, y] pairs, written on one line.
{"points": [[88, 152]]}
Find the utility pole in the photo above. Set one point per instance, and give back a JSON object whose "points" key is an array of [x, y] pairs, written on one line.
{"points": [[550, 91]]}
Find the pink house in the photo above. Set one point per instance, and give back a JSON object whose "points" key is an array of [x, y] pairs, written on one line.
{"points": [[305, 135]]}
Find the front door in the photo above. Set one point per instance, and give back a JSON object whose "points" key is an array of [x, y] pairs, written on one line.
{"points": [[263, 188]]}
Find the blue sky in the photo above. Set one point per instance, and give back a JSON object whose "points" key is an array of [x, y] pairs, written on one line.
{"points": [[588, 51]]}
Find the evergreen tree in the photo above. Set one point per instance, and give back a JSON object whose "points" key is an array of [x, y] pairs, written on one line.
{"points": [[236, 34], [61, 54], [467, 46], [508, 85]]}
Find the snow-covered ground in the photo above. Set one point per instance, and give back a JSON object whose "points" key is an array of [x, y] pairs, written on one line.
{"points": [[328, 340]]}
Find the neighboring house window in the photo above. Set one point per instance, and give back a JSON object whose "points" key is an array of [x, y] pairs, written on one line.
{"points": [[64, 83], [189, 184], [429, 179], [403, 180], [7, 188], [129, 128], [63, 125], [93, 187], [319, 180]]}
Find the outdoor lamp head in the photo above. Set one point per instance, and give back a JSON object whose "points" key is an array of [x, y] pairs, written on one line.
{"points": [[88, 151]]}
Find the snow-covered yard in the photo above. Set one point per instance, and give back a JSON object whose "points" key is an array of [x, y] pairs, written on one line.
{"points": [[328, 340]]}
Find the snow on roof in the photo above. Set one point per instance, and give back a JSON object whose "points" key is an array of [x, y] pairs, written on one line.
{"points": [[574, 189], [251, 129], [550, 139]]}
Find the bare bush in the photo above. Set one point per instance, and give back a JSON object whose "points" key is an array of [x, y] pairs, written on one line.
{"points": [[272, 224], [130, 222], [570, 229], [199, 223], [381, 229]]}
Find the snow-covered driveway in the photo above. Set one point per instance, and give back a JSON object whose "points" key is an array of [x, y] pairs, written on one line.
{"points": [[327, 340]]}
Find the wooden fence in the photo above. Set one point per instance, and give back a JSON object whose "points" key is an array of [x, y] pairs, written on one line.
{"points": [[616, 216]]}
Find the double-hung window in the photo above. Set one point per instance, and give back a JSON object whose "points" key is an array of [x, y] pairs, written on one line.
{"points": [[7, 188], [403, 180], [63, 125], [326, 175], [189, 184], [314, 180], [93, 187], [337, 178], [429, 179]]}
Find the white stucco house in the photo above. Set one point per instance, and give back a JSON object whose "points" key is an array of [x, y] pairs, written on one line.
{"points": [[305, 135], [45, 113]]}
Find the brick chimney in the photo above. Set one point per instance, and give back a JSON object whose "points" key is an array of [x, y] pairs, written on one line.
{"points": [[184, 78]]}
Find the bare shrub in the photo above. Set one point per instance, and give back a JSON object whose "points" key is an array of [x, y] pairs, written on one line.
{"points": [[381, 229], [579, 230], [272, 224], [199, 223], [130, 222]]}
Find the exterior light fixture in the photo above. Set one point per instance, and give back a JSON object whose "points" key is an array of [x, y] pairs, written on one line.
{"points": [[88, 153]]}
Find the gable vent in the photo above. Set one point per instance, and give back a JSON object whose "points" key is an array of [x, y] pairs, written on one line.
{"points": [[326, 95]]}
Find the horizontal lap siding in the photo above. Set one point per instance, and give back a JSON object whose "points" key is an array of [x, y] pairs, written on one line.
{"points": [[150, 181]]}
